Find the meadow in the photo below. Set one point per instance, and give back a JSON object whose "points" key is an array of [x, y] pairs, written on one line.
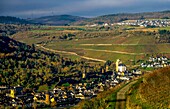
{"points": [[97, 43]]}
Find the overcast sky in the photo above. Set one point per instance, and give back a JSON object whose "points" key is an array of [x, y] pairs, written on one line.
{"points": [[86, 8]]}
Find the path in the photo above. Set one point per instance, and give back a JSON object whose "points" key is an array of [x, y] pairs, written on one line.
{"points": [[106, 44], [72, 53], [121, 96], [113, 44], [120, 52]]}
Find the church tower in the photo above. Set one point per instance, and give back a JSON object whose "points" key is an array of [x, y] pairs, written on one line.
{"points": [[117, 64]]}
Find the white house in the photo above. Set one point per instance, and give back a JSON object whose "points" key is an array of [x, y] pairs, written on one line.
{"points": [[122, 68]]}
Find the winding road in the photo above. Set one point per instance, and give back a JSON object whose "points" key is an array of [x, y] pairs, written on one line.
{"points": [[121, 96], [120, 52], [71, 53]]}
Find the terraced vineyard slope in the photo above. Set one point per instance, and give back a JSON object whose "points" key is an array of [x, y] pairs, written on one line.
{"points": [[153, 92]]}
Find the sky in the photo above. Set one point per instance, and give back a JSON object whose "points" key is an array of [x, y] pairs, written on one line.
{"points": [[84, 8]]}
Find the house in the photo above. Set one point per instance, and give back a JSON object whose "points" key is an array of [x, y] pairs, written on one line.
{"points": [[124, 78], [80, 95], [143, 65], [122, 68], [119, 66], [116, 81], [137, 72], [156, 62]]}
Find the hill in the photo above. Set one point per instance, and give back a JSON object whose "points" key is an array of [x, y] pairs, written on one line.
{"points": [[112, 18], [57, 20], [61, 20], [9, 45], [98, 43], [13, 20], [10, 29], [153, 91], [30, 67]]}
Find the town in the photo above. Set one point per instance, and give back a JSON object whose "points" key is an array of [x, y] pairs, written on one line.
{"points": [[71, 94], [141, 23], [147, 23]]}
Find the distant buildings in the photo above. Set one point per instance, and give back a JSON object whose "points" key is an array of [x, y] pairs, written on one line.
{"points": [[156, 62], [141, 23], [147, 23]]}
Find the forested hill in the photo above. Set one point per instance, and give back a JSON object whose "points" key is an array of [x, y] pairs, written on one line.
{"points": [[9, 45], [10, 29], [61, 20], [24, 65], [58, 20], [112, 18], [13, 20]]}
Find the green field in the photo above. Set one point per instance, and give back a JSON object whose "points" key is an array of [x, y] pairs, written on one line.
{"points": [[128, 46]]}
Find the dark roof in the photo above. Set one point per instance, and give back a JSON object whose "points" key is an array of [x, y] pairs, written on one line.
{"points": [[122, 65]]}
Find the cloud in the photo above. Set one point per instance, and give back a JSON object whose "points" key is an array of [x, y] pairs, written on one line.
{"points": [[26, 8]]}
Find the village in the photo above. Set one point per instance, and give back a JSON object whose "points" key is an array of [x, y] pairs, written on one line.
{"points": [[156, 62], [146, 22], [141, 23], [72, 94]]}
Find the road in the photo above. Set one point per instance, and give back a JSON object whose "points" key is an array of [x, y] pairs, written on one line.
{"points": [[121, 96], [120, 52], [71, 53], [108, 44]]}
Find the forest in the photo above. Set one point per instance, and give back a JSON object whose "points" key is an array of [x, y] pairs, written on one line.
{"points": [[13, 20], [164, 36], [29, 67], [10, 29]]}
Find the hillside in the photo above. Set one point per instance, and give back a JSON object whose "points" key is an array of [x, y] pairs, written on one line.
{"points": [[153, 92], [57, 20], [29, 67], [149, 92], [99, 43], [10, 29], [13, 20], [9, 45], [61, 20], [112, 18]]}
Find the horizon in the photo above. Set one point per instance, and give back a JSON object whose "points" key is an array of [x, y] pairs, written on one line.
{"points": [[86, 8], [86, 16]]}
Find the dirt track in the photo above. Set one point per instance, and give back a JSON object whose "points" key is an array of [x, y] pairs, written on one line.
{"points": [[121, 96], [120, 52], [72, 53]]}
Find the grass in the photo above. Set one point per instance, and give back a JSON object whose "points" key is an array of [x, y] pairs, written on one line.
{"points": [[144, 45], [134, 100], [113, 97], [148, 29], [151, 92], [132, 48], [76, 46], [149, 69], [129, 43], [106, 99], [155, 88], [165, 28]]}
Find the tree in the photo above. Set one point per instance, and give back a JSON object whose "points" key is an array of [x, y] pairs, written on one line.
{"points": [[43, 88], [108, 62]]}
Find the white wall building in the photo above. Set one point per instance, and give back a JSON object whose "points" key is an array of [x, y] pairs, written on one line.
{"points": [[122, 68]]}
